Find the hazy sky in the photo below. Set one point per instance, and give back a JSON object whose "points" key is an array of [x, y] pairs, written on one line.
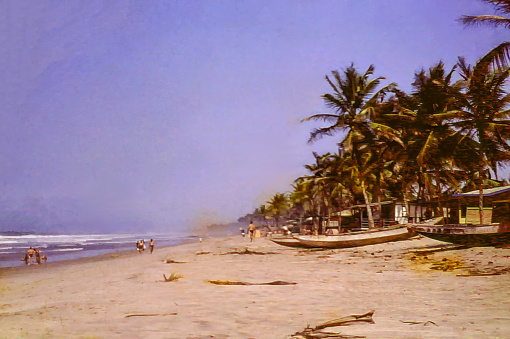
{"points": [[125, 115]]}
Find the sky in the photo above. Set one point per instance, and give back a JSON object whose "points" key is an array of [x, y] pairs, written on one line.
{"points": [[126, 116]]}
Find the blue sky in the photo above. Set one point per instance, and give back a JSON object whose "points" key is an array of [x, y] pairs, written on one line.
{"points": [[136, 115]]}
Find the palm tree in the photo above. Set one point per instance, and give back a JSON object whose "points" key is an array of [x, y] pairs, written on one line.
{"points": [[485, 116], [302, 198], [355, 101], [429, 139], [278, 205], [318, 186]]}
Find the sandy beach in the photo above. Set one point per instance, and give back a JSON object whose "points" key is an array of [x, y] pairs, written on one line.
{"points": [[125, 296]]}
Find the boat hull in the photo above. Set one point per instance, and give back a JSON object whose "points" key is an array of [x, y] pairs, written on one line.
{"points": [[490, 239], [363, 238], [288, 242]]}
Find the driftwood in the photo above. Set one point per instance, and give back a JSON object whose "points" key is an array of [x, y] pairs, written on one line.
{"points": [[228, 282], [247, 251], [312, 333], [425, 323], [479, 274], [171, 261], [344, 321], [202, 252], [324, 335], [149, 315]]}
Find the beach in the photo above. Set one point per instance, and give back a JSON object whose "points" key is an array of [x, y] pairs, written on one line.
{"points": [[124, 295]]}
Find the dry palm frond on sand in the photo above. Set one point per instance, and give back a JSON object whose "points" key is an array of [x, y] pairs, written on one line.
{"points": [[228, 282], [310, 333]]}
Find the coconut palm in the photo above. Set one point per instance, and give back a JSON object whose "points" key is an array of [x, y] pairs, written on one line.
{"points": [[429, 138], [302, 197], [485, 117], [318, 185], [355, 100], [277, 206]]}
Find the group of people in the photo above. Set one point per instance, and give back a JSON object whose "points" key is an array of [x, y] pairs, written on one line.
{"points": [[140, 245], [33, 254]]}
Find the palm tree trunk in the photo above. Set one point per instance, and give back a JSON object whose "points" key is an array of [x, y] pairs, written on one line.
{"points": [[330, 205], [369, 209], [406, 203], [418, 203], [340, 212], [480, 203], [439, 206], [379, 205]]}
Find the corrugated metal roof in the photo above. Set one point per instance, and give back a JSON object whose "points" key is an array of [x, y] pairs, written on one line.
{"points": [[486, 192]]}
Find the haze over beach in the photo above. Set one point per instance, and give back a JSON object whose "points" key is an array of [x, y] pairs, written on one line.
{"points": [[120, 116], [157, 125]]}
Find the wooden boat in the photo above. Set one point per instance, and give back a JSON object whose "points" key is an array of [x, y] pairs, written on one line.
{"points": [[468, 235], [464, 226], [288, 241], [354, 239]]}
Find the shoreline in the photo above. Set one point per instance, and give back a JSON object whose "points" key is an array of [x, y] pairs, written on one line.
{"points": [[92, 258], [127, 297], [61, 247]]}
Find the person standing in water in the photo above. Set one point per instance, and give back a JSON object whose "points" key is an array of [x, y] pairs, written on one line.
{"points": [[30, 254], [252, 229], [37, 256]]}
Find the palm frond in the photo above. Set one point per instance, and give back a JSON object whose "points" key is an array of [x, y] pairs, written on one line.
{"points": [[430, 143], [318, 133], [373, 100], [498, 59], [326, 117], [386, 132], [480, 20]]}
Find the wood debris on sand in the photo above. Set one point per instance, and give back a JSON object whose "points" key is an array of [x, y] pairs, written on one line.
{"points": [[425, 323], [149, 314], [316, 332], [228, 282], [171, 261]]}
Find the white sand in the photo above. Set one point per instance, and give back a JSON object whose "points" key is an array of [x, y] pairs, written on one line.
{"points": [[91, 298]]}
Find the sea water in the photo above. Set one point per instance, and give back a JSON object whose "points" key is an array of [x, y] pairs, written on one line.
{"points": [[72, 246]]}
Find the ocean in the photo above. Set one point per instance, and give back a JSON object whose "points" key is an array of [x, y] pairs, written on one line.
{"points": [[72, 246]]}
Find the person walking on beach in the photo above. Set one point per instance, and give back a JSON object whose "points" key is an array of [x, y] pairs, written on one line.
{"points": [[252, 229], [151, 245], [30, 254]]}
